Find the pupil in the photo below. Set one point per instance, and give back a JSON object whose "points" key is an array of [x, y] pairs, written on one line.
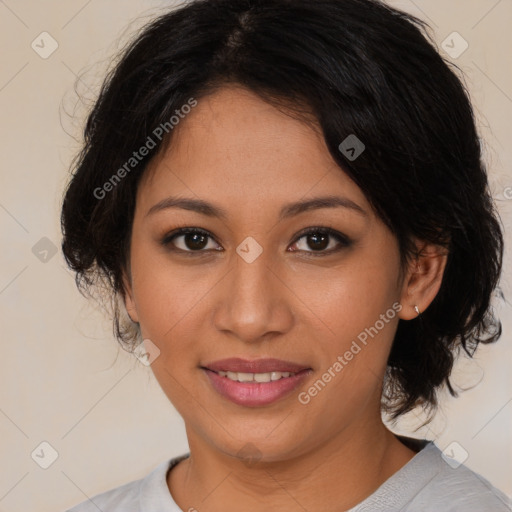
{"points": [[197, 240], [316, 237]]}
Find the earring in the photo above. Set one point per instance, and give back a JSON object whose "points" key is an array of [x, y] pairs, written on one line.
{"points": [[417, 310]]}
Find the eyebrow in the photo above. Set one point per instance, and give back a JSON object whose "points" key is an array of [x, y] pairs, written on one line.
{"points": [[289, 210]]}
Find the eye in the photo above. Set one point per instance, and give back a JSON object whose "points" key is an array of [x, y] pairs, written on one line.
{"points": [[189, 240], [321, 241]]}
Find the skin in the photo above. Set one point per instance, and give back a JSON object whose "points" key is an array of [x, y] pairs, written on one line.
{"points": [[240, 153]]}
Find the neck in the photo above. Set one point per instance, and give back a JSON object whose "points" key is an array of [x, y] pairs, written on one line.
{"points": [[336, 475]]}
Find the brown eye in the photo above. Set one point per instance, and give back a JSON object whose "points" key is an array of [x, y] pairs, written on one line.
{"points": [[189, 240], [321, 240], [317, 241], [195, 241]]}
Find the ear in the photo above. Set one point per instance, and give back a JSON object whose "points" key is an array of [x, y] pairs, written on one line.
{"points": [[423, 279], [129, 301]]}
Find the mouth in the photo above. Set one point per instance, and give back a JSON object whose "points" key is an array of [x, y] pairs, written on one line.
{"points": [[255, 383], [255, 377], [256, 366]]}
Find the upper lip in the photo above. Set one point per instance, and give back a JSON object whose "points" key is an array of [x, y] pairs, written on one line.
{"points": [[236, 364]]}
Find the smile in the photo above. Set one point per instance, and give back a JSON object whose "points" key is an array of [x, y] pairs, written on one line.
{"points": [[255, 389], [255, 377]]}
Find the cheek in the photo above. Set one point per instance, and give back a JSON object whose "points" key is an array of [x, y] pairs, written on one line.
{"points": [[358, 309], [166, 295], [351, 297]]}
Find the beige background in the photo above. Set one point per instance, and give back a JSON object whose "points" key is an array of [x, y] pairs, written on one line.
{"points": [[63, 379]]}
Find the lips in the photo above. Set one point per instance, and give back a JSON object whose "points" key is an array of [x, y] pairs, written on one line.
{"points": [[255, 383], [238, 365]]}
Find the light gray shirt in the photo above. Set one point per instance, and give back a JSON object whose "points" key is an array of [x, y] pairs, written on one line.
{"points": [[427, 483]]}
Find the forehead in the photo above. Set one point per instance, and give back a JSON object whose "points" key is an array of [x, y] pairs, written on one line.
{"points": [[237, 148]]}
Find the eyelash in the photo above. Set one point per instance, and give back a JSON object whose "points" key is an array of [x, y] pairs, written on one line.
{"points": [[343, 240]]}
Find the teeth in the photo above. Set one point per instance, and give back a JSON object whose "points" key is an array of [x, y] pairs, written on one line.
{"points": [[255, 377]]}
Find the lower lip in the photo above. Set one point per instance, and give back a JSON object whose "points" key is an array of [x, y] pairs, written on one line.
{"points": [[254, 394]]}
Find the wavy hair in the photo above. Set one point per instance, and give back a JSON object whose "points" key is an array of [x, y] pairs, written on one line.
{"points": [[355, 67]]}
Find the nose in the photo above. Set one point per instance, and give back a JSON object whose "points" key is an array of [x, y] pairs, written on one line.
{"points": [[253, 301]]}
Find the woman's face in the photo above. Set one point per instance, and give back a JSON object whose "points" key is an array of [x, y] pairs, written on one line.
{"points": [[255, 287]]}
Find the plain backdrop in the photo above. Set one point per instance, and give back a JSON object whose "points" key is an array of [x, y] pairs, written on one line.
{"points": [[64, 381]]}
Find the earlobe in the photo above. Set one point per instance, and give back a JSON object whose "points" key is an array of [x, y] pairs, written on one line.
{"points": [[423, 280], [129, 302]]}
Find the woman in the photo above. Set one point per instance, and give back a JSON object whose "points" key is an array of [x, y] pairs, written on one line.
{"points": [[287, 198]]}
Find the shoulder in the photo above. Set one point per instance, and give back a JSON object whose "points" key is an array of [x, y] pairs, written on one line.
{"points": [[431, 482], [133, 496], [454, 487], [124, 497]]}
